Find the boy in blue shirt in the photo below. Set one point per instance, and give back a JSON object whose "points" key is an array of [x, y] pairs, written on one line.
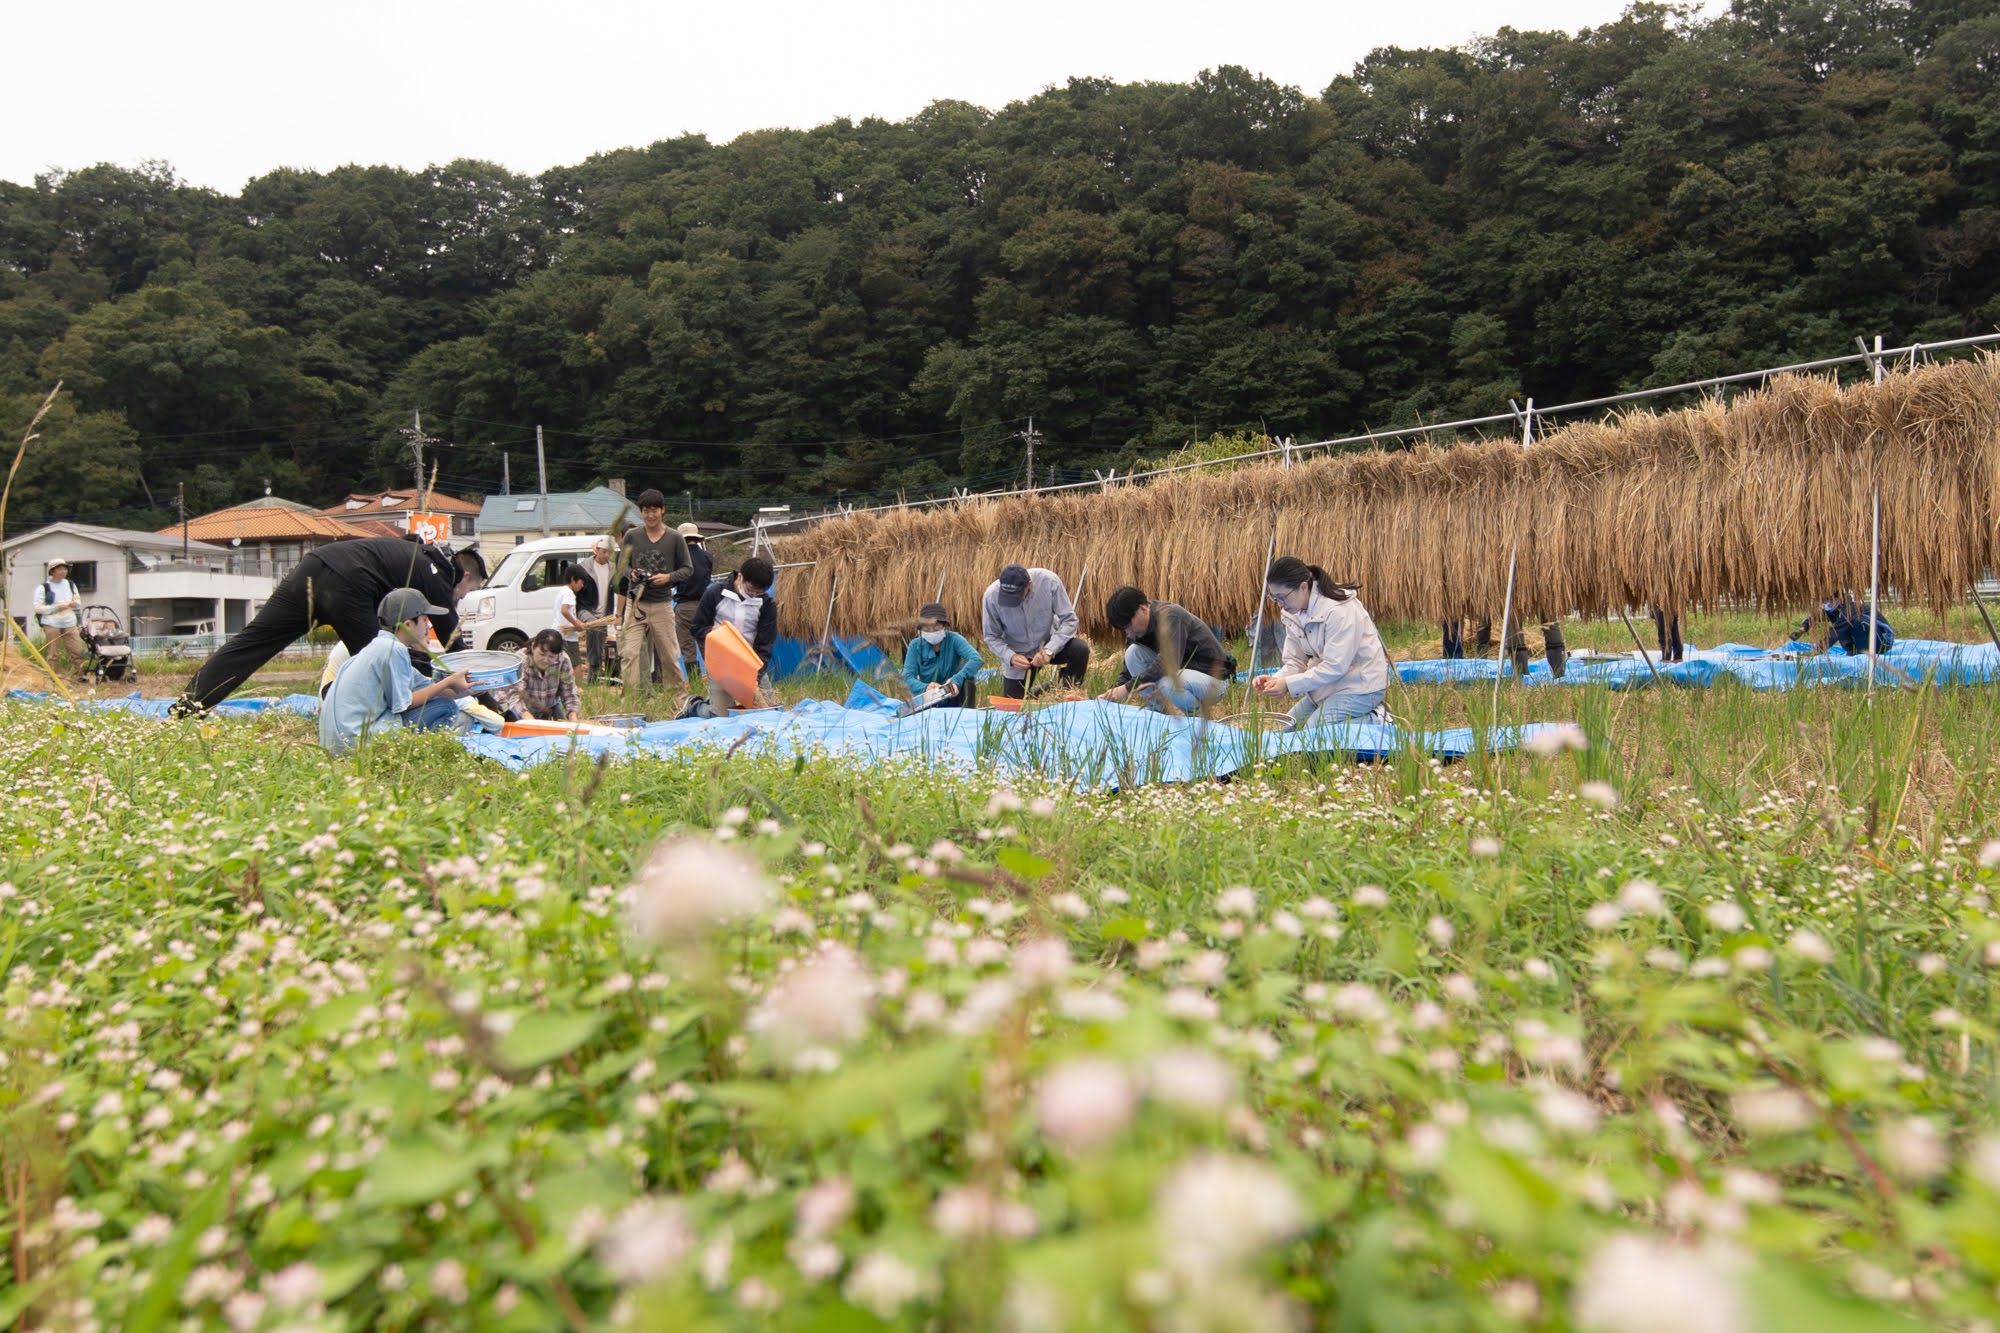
{"points": [[380, 689], [938, 656]]}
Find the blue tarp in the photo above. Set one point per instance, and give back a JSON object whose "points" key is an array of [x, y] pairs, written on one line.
{"points": [[1093, 744], [306, 705], [1910, 662]]}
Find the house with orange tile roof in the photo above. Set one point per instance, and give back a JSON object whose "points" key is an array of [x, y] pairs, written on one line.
{"points": [[395, 507], [269, 534]]}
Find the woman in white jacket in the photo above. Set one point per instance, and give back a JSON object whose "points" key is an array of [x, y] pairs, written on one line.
{"points": [[1334, 666]]}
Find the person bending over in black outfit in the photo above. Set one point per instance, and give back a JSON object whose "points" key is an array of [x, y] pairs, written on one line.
{"points": [[339, 585]]}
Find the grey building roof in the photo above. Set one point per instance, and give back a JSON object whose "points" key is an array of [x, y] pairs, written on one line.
{"points": [[598, 507], [128, 538]]}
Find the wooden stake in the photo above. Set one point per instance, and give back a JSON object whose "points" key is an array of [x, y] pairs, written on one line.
{"points": [[1500, 652], [1640, 646], [1874, 587], [1257, 625]]}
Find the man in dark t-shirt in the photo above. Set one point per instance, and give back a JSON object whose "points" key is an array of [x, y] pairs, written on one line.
{"points": [[655, 558]]}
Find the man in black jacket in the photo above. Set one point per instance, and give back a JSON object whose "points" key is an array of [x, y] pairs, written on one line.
{"points": [[338, 585], [744, 600], [1173, 660]]}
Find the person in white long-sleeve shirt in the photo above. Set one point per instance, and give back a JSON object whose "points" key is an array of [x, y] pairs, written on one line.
{"points": [[1027, 619], [59, 611], [1333, 663]]}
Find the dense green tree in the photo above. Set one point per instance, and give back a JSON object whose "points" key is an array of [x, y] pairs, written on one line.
{"points": [[865, 307]]}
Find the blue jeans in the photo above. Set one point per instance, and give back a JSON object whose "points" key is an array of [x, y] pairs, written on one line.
{"points": [[1339, 708], [1189, 691], [439, 714]]}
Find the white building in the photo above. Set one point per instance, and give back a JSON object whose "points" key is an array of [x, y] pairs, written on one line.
{"points": [[155, 586]]}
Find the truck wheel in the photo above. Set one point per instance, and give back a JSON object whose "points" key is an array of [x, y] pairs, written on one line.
{"points": [[508, 641]]}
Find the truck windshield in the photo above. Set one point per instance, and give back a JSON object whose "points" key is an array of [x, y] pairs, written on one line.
{"points": [[509, 572]]}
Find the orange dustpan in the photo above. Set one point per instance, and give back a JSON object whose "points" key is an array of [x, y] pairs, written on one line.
{"points": [[732, 663]]}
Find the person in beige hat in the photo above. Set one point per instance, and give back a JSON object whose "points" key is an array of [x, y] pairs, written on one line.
{"points": [[59, 611], [688, 593]]}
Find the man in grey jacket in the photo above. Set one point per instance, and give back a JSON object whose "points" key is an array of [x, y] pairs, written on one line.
{"points": [[1027, 620]]}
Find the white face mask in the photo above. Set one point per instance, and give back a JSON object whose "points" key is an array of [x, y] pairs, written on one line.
{"points": [[934, 637]]}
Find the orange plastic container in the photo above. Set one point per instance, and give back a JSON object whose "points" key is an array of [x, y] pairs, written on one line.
{"points": [[1003, 703], [535, 726], [731, 662]]}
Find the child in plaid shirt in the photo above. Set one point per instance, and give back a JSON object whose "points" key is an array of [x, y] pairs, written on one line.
{"points": [[548, 682]]}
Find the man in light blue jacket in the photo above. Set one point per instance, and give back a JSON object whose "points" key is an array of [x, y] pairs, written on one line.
{"points": [[1028, 621], [379, 689]]}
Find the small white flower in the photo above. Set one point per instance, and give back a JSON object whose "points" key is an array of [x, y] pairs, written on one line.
{"points": [[690, 886], [1042, 963], [1554, 738], [1755, 958], [293, 1287], [823, 1207], [1191, 1079], [821, 1005], [1215, 1211], [646, 1240], [1370, 895], [1771, 1110], [1603, 916], [1726, 916], [1441, 931], [1599, 794], [1083, 1103], [883, 1283], [1565, 1112], [1913, 1148], [1811, 946], [1635, 1284], [1642, 897], [1484, 846]]}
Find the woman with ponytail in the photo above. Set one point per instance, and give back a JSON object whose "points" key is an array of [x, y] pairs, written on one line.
{"points": [[1334, 666]]}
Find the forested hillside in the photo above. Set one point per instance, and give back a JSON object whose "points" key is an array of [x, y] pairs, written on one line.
{"points": [[863, 307]]}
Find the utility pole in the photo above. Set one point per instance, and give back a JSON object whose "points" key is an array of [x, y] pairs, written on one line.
{"points": [[414, 433], [181, 503], [542, 471], [506, 475], [1031, 435]]}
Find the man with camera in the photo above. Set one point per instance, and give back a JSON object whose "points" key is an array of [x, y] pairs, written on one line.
{"points": [[655, 558]]}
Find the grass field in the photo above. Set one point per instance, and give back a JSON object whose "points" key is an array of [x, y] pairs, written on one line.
{"points": [[1690, 1028]]}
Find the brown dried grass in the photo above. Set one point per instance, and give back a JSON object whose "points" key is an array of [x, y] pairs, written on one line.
{"points": [[1763, 500]]}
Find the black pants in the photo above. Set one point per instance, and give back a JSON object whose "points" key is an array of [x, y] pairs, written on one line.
{"points": [[311, 595], [1454, 640], [1071, 663], [1669, 630], [1553, 648]]}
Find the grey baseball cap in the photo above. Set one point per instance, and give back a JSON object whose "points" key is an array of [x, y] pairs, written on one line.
{"points": [[406, 604]]}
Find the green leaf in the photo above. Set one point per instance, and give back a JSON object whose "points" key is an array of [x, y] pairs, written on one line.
{"points": [[407, 1173], [537, 1038], [1130, 928], [1024, 863], [338, 1014], [1787, 1298]]}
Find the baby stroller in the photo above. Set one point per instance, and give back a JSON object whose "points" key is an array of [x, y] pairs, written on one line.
{"points": [[110, 647]]}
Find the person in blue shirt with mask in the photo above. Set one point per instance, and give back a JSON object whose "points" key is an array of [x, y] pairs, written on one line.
{"points": [[941, 656], [380, 689]]}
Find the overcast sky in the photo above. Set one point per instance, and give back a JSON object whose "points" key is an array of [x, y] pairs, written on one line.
{"points": [[229, 89]]}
